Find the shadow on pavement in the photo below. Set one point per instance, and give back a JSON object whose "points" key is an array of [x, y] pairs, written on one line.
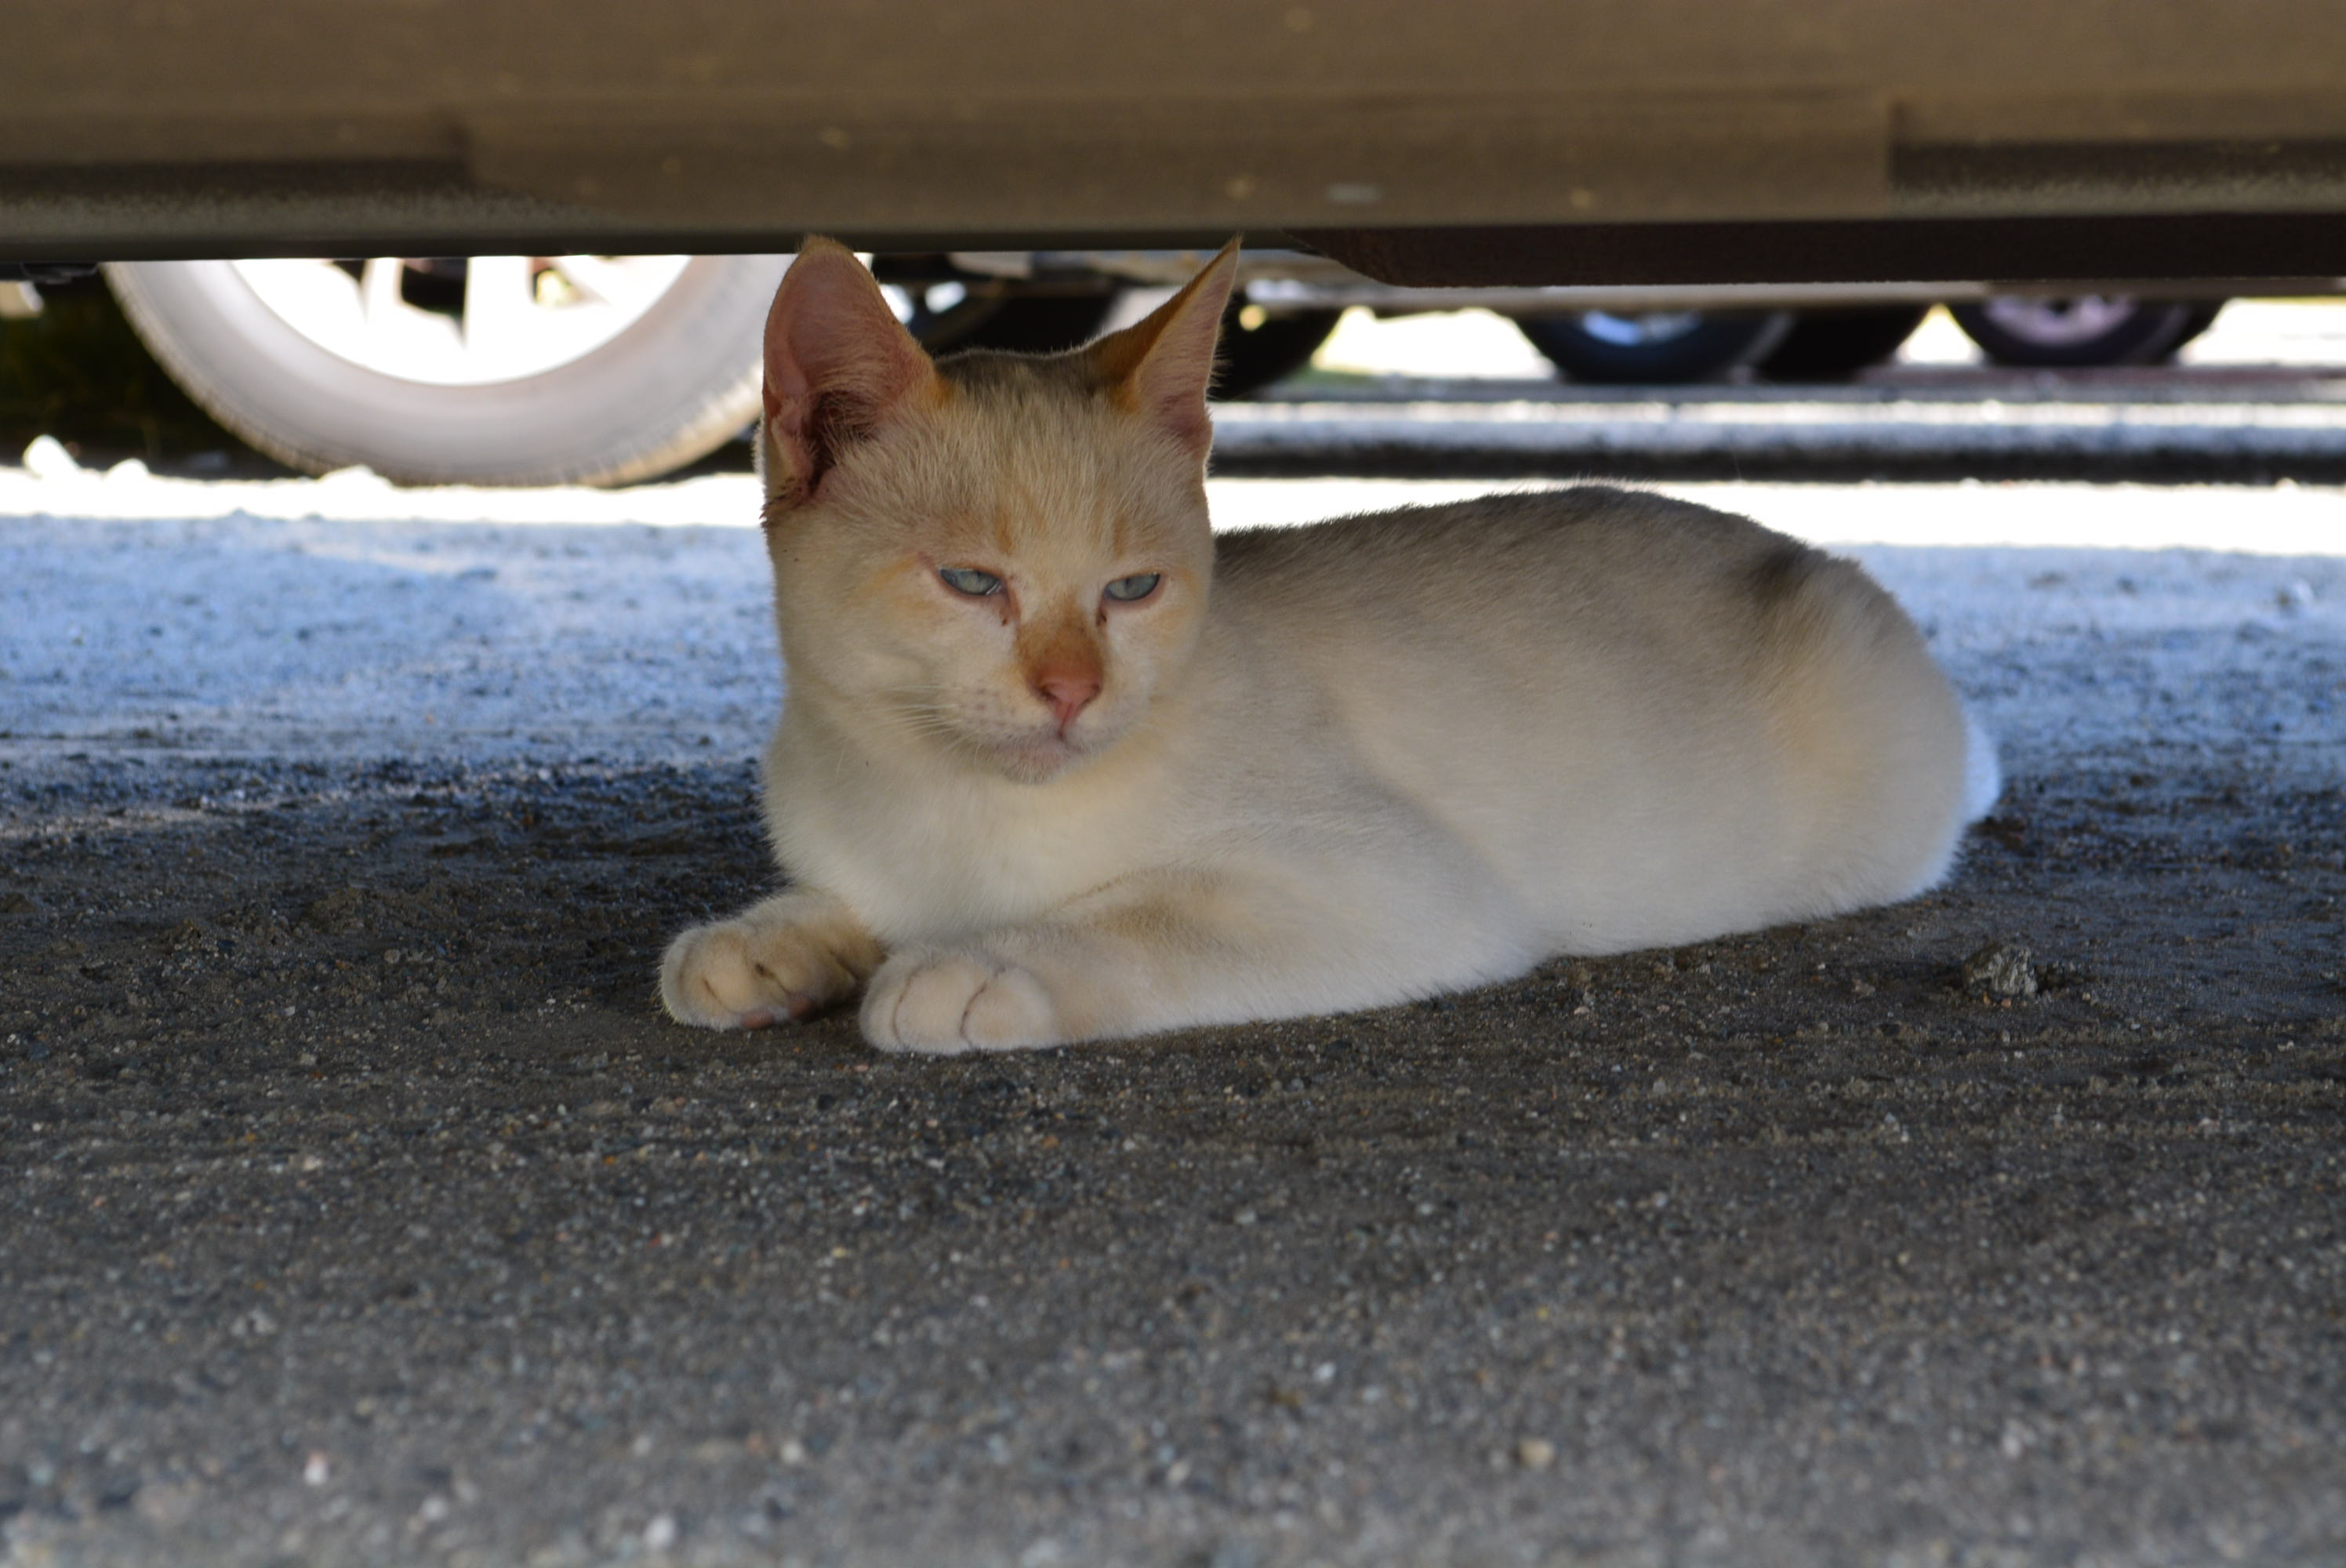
{"points": [[360, 1205]]}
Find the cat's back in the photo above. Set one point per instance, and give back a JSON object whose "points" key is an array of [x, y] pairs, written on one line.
{"points": [[1663, 715], [1540, 573]]}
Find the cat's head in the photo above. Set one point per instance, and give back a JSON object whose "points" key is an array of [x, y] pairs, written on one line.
{"points": [[999, 560]]}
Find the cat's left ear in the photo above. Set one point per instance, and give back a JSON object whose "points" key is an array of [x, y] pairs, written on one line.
{"points": [[838, 367], [1163, 367]]}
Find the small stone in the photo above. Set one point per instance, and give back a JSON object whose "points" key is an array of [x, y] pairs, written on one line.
{"points": [[2001, 969], [1536, 1453], [660, 1534]]}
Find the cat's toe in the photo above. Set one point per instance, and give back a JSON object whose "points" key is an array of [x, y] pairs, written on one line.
{"points": [[712, 977], [1012, 1013], [947, 1004]]}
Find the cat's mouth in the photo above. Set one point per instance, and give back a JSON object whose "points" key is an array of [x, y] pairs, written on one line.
{"points": [[1031, 759], [1026, 752]]}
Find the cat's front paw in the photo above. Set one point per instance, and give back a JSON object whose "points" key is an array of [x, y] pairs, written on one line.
{"points": [[944, 1003], [747, 974]]}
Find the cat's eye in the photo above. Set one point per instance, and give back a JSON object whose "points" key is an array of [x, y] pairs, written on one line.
{"points": [[1139, 586], [967, 580]]}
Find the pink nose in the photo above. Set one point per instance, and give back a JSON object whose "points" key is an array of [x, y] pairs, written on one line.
{"points": [[1067, 694]]}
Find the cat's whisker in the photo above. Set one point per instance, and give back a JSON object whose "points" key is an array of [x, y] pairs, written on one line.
{"points": [[910, 713], [927, 718]]}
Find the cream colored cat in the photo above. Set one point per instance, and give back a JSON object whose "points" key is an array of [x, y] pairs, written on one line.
{"points": [[1054, 766]]}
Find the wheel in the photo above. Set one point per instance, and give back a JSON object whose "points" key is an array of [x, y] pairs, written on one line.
{"points": [[2086, 329], [1833, 345], [1258, 349], [1655, 347], [485, 369]]}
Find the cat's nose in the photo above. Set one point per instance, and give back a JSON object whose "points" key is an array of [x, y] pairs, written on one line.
{"points": [[1067, 693]]}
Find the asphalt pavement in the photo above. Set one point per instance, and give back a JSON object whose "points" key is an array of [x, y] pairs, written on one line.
{"points": [[357, 1206]]}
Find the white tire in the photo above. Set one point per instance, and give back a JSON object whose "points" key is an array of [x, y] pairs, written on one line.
{"points": [[536, 369]]}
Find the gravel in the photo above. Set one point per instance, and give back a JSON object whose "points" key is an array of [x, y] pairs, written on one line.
{"points": [[357, 1207], [2001, 969]]}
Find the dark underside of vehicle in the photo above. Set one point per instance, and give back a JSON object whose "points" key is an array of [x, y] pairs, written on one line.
{"points": [[1605, 141]]}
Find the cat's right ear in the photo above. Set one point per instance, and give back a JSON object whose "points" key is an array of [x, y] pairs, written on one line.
{"points": [[838, 367], [1163, 367]]}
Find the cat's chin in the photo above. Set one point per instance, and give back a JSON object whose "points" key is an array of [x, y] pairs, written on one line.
{"points": [[1041, 760]]}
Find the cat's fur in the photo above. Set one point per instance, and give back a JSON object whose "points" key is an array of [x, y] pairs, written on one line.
{"points": [[1318, 768]]}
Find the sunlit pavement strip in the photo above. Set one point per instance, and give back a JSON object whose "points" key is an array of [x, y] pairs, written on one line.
{"points": [[2286, 518], [343, 618]]}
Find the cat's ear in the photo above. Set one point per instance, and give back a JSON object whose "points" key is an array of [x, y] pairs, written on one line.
{"points": [[838, 367], [1162, 368]]}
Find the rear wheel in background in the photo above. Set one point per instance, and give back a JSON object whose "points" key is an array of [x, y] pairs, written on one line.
{"points": [[1654, 348], [2082, 330], [505, 369], [1835, 344]]}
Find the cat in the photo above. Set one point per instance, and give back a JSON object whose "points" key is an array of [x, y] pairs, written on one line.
{"points": [[1055, 763]]}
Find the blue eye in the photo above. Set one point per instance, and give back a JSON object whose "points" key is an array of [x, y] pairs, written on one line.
{"points": [[975, 584], [1138, 587]]}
